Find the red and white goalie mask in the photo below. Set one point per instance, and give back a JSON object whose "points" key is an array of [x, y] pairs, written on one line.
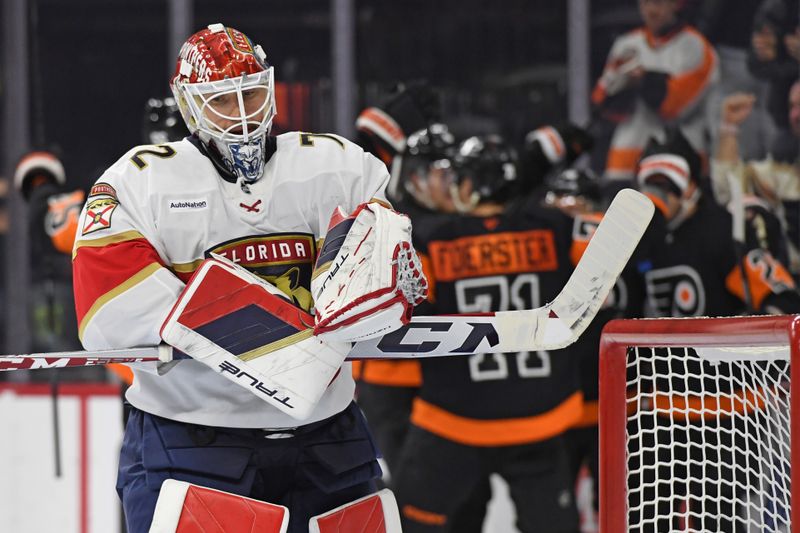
{"points": [[226, 93]]}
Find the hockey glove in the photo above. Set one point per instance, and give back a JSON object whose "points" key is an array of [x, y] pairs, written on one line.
{"points": [[368, 276]]}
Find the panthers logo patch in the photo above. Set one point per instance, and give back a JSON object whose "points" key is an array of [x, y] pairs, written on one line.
{"points": [[98, 214]]}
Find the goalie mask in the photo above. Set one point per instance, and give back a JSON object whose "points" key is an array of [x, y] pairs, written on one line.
{"points": [[226, 94]]}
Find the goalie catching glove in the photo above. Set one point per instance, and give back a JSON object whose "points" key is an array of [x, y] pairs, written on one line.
{"points": [[368, 277]]}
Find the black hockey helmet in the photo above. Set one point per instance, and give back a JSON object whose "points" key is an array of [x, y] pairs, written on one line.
{"points": [[491, 166], [162, 121], [426, 149], [575, 182]]}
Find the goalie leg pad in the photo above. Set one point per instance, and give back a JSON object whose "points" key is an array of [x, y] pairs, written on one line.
{"points": [[187, 508], [375, 278], [376, 513]]}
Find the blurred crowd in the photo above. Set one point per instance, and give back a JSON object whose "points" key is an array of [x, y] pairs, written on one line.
{"points": [[698, 111]]}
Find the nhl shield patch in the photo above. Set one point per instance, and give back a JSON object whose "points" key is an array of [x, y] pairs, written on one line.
{"points": [[98, 214]]}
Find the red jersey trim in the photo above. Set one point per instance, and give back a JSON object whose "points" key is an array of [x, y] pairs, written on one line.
{"points": [[134, 280]]}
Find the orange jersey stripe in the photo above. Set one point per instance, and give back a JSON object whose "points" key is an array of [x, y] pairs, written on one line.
{"points": [[683, 89], [590, 415], [504, 432], [623, 159], [424, 517], [124, 372], [695, 408], [392, 373]]}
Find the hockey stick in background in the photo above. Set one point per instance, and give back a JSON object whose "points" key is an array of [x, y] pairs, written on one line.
{"points": [[739, 235], [552, 326]]}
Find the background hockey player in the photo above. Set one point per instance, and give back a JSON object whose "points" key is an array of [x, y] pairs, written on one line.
{"points": [[162, 122], [501, 413], [693, 266], [655, 76], [52, 221], [153, 217]]}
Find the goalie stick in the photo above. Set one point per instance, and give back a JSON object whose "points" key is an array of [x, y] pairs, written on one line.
{"points": [[555, 325]]}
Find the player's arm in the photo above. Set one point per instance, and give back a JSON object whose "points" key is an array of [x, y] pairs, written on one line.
{"points": [[382, 130], [617, 75], [123, 290], [551, 146], [763, 281], [672, 94]]}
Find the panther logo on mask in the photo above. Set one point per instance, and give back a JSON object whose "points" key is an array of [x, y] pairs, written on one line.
{"points": [[248, 159]]}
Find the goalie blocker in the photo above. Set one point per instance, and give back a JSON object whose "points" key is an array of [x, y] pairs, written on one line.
{"points": [[247, 331], [186, 508]]}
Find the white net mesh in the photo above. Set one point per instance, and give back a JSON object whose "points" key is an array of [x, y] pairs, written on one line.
{"points": [[708, 441]]}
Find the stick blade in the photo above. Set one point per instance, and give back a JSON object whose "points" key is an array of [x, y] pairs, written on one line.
{"points": [[609, 250]]}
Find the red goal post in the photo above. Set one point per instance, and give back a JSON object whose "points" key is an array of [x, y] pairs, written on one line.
{"points": [[665, 386]]}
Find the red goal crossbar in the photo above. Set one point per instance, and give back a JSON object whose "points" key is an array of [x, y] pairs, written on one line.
{"points": [[620, 335]]}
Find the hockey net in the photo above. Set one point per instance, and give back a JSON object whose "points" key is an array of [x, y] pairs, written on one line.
{"points": [[696, 429]]}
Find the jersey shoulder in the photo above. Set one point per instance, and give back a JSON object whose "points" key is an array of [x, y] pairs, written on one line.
{"points": [[326, 147], [175, 165], [329, 161]]}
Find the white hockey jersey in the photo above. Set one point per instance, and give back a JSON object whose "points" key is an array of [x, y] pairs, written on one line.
{"points": [[690, 65], [152, 218]]}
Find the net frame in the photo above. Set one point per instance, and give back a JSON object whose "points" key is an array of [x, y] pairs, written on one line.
{"points": [[619, 335]]}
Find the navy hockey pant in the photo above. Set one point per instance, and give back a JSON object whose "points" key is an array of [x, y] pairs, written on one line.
{"points": [[310, 470]]}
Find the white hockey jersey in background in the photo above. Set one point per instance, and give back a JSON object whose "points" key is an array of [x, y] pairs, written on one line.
{"points": [[152, 218], [691, 67]]}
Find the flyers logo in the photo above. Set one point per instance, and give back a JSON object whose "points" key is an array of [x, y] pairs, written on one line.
{"points": [[676, 291]]}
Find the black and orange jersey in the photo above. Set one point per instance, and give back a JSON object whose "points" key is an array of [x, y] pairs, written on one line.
{"points": [[517, 260], [697, 270]]}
